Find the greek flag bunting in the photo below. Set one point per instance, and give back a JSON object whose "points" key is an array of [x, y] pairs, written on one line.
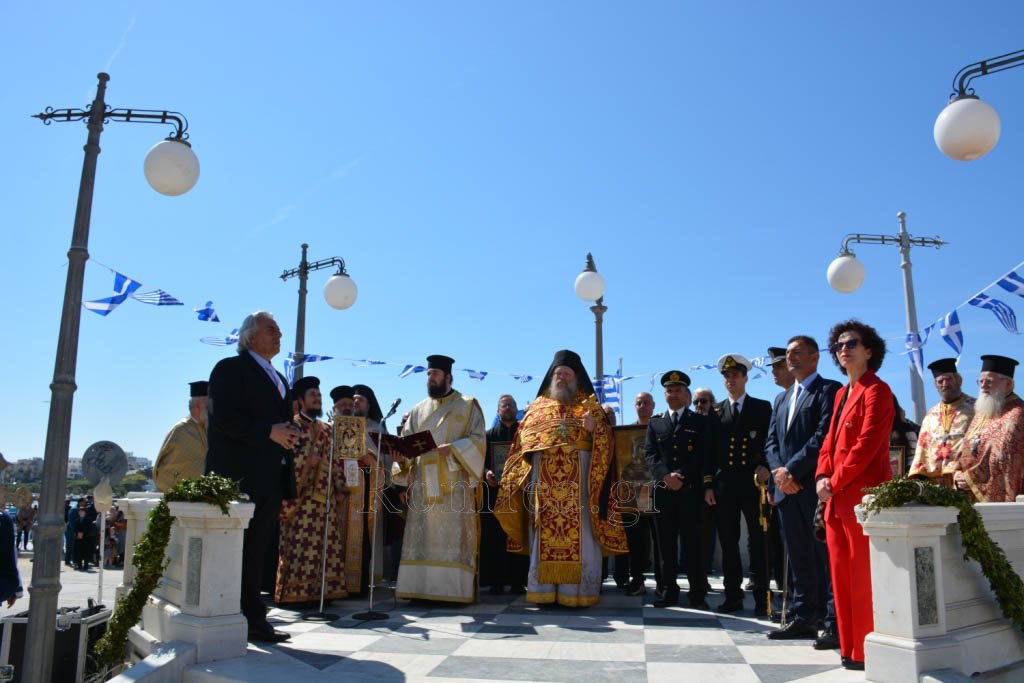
{"points": [[478, 375], [123, 288], [207, 313], [410, 369], [1012, 283], [232, 338], [1004, 314], [951, 333], [157, 297], [522, 378], [914, 352]]}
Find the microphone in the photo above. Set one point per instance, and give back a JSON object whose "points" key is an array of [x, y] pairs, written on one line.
{"points": [[393, 408]]}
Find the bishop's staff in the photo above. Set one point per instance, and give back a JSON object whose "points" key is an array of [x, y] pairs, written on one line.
{"points": [[370, 614], [763, 516], [320, 615]]}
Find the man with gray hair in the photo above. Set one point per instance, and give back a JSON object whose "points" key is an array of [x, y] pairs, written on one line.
{"points": [[703, 400], [991, 464], [251, 437]]}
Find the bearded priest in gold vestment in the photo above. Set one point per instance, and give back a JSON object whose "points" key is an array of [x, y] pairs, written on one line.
{"points": [[555, 499], [442, 529]]}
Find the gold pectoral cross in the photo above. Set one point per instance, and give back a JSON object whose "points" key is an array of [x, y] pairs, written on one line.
{"points": [[563, 430]]}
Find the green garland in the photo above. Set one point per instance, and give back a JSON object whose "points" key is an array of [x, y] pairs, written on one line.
{"points": [[150, 561], [978, 545]]}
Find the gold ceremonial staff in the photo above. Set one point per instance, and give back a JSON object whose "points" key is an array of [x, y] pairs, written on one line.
{"points": [[763, 512]]}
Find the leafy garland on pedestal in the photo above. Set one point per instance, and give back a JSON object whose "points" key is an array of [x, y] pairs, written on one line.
{"points": [[150, 561], [978, 545]]}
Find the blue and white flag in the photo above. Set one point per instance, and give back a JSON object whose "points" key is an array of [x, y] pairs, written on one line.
{"points": [[1012, 283], [363, 362], [1004, 314], [157, 297], [914, 352], [309, 358], [207, 313], [951, 333], [410, 369], [229, 340], [703, 366], [610, 390], [123, 288], [478, 375], [289, 370], [522, 378], [759, 361]]}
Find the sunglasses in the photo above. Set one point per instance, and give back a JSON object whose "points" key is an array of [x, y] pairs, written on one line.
{"points": [[848, 345], [702, 401]]}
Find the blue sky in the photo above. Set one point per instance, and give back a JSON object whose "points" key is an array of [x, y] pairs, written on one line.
{"points": [[464, 157]]}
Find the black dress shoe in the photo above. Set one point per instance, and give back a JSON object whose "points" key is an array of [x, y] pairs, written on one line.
{"points": [[496, 590], [828, 640], [702, 605], [635, 588], [795, 630], [852, 664], [267, 634], [670, 599], [517, 590], [749, 585], [730, 606], [761, 611]]}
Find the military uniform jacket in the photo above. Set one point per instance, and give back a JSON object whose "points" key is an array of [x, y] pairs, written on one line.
{"points": [[687, 448], [741, 445]]}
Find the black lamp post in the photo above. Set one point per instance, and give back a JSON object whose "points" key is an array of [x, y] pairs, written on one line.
{"points": [[171, 168]]}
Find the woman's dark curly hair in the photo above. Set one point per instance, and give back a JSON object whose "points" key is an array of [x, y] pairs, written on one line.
{"points": [[868, 336]]}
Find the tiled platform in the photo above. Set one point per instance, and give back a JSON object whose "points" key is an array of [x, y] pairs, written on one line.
{"points": [[502, 638]]}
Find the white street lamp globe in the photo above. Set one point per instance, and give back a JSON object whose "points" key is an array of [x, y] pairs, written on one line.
{"points": [[171, 167], [845, 274], [340, 292], [589, 285], [967, 129]]}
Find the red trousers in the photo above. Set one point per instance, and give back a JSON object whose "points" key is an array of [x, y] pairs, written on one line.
{"points": [[850, 562]]}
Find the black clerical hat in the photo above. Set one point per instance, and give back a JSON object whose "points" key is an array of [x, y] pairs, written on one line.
{"points": [[571, 360], [675, 377], [1000, 364], [439, 362], [374, 412], [198, 389], [776, 354], [304, 384], [942, 366], [341, 391]]}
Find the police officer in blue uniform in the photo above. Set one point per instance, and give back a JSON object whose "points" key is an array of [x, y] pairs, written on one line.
{"points": [[679, 449], [744, 426]]}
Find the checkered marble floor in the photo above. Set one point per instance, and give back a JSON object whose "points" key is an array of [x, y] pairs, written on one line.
{"points": [[502, 638]]}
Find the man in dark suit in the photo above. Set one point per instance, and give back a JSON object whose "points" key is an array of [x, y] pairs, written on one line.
{"points": [[679, 450], [251, 436], [744, 424], [798, 427]]}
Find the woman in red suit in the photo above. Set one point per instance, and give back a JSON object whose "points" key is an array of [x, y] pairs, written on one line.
{"points": [[855, 455]]}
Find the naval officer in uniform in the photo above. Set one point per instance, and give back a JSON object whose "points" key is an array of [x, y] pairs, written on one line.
{"points": [[744, 425], [679, 450]]}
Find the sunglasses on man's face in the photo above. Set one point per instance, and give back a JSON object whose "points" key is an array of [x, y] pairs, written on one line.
{"points": [[701, 401], [848, 345]]}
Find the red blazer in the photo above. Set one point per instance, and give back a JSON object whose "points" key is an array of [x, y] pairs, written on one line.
{"points": [[855, 454]]}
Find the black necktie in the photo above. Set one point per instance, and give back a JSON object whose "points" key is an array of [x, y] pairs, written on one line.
{"points": [[736, 411], [675, 419]]}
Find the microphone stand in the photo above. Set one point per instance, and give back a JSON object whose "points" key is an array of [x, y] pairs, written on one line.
{"points": [[370, 614], [320, 615]]}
